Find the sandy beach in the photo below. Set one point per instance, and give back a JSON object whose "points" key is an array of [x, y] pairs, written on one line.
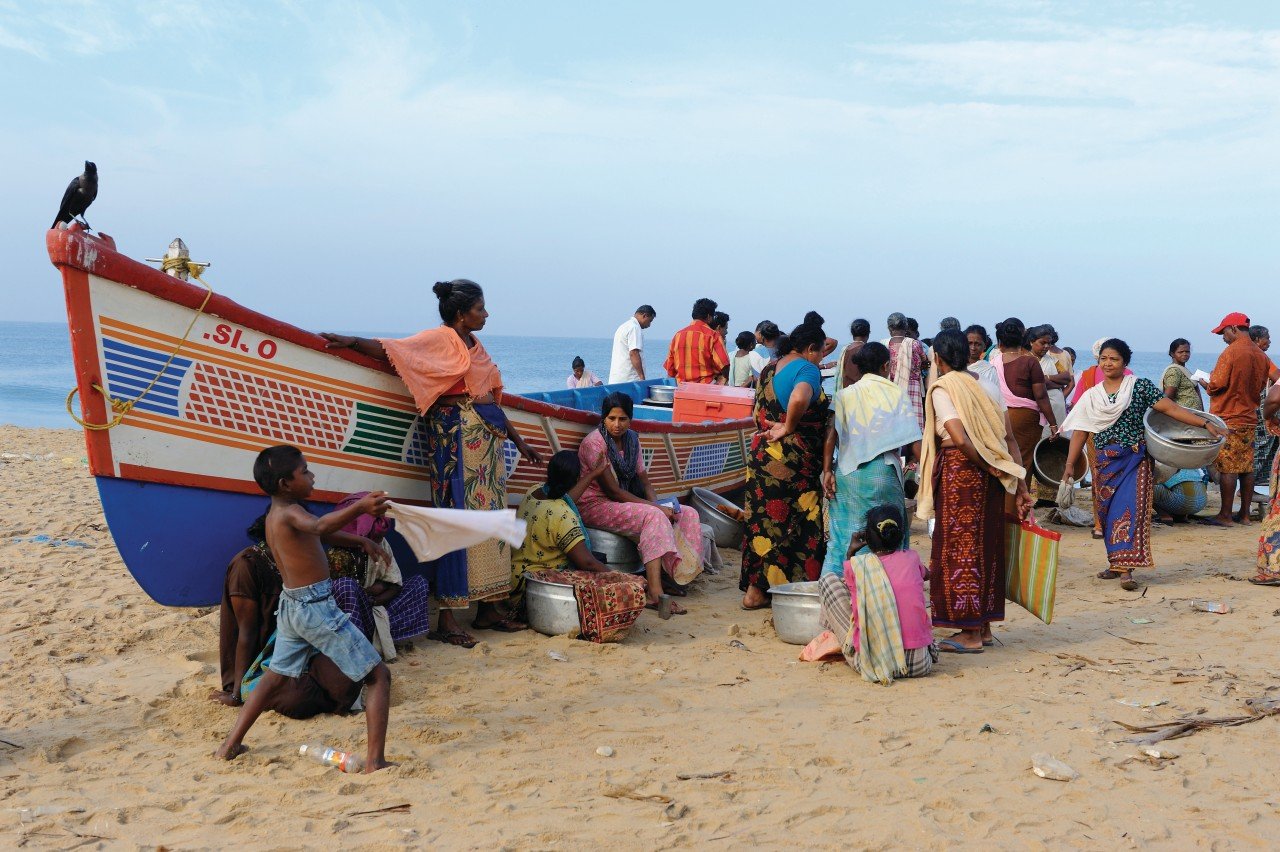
{"points": [[107, 732]]}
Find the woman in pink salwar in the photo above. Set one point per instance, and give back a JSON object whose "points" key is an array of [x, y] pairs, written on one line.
{"points": [[622, 501]]}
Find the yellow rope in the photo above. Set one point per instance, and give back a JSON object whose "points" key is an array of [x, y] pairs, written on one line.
{"points": [[122, 407]]}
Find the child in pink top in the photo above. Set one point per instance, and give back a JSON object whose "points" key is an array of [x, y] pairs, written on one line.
{"points": [[839, 595]]}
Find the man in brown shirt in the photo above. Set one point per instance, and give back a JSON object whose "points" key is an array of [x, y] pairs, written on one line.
{"points": [[1234, 388]]}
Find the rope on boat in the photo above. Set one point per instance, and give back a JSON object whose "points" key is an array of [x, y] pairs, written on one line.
{"points": [[122, 407]]}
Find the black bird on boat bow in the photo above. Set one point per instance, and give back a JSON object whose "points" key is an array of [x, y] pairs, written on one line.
{"points": [[79, 195]]}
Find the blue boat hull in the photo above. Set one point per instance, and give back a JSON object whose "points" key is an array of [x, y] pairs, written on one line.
{"points": [[178, 541]]}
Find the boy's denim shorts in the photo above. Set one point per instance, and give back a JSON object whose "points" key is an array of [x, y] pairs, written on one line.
{"points": [[309, 620]]}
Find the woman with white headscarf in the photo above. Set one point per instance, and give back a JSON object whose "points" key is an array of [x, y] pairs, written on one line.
{"points": [[1090, 377], [1110, 416]]}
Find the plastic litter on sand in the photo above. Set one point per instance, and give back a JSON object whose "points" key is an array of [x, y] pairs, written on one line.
{"points": [[1211, 606], [1047, 766]]}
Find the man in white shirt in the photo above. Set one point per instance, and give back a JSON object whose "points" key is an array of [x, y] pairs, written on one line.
{"points": [[628, 345]]}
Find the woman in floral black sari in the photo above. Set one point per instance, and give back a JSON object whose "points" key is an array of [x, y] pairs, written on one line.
{"points": [[784, 540]]}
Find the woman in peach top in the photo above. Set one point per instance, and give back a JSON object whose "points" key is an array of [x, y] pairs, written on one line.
{"points": [[458, 391]]}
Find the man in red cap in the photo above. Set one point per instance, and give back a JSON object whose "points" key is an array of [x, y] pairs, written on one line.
{"points": [[1234, 388]]}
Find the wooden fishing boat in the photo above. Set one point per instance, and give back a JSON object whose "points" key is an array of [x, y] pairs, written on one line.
{"points": [[180, 388]]}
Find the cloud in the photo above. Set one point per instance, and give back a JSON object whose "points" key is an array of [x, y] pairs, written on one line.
{"points": [[11, 41], [376, 147]]}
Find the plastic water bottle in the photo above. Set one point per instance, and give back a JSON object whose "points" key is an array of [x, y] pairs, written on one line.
{"points": [[329, 756]]}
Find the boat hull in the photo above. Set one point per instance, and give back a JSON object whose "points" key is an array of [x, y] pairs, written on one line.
{"points": [[175, 473]]}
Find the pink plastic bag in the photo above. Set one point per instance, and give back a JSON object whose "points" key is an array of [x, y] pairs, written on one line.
{"points": [[824, 646]]}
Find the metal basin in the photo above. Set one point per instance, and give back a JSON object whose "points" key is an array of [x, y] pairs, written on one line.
{"points": [[620, 552], [552, 608], [662, 393], [1178, 445], [795, 612], [1050, 460], [728, 532]]}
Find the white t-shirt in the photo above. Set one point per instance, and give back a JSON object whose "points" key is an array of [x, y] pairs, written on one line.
{"points": [[760, 358], [628, 336]]}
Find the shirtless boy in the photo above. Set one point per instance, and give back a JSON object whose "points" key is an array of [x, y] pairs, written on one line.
{"points": [[309, 620]]}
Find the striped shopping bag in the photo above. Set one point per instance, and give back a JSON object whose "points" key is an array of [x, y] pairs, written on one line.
{"points": [[1031, 567]]}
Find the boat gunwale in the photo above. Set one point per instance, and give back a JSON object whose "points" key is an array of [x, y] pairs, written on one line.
{"points": [[74, 247]]}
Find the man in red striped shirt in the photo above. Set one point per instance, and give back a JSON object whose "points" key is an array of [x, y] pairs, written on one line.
{"points": [[697, 353]]}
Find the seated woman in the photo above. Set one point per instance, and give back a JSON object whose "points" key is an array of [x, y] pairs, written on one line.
{"points": [[877, 608], [621, 500], [557, 546], [1180, 496], [581, 377], [556, 538], [250, 594], [246, 636], [369, 587]]}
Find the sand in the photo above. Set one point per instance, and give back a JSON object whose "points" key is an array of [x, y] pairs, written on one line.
{"points": [[108, 732]]}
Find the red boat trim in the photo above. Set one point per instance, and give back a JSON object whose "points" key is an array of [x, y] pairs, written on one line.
{"points": [[72, 247], [75, 251], [84, 353]]}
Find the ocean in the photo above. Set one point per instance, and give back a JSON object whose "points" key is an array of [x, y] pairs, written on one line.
{"points": [[36, 371]]}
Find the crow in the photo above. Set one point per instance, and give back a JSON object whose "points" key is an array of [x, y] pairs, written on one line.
{"points": [[79, 195]]}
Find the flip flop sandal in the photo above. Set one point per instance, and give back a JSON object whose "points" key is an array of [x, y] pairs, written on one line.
{"points": [[1109, 575], [456, 638], [1265, 581], [764, 605], [1097, 535], [951, 646], [665, 608], [503, 625], [1131, 585]]}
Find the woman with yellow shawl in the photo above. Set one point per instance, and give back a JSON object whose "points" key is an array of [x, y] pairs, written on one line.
{"points": [[458, 390], [969, 461]]}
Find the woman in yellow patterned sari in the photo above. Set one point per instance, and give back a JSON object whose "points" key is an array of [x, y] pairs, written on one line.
{"points": [[458, 390]]}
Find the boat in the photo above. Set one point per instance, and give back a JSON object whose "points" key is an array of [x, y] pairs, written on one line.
{"points": [[180, 388]]}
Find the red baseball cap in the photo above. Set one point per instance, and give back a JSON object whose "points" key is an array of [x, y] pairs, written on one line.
{"points": [[1233, 320]]}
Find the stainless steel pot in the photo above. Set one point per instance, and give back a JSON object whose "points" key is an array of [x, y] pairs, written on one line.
{"points": [[620, 552], [795, 612], [1163, 471], [1178, 445], [727, 531], [552, 608], [662, 393]]}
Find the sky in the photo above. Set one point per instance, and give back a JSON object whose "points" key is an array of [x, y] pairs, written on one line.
{"points": [[1107, 167]]}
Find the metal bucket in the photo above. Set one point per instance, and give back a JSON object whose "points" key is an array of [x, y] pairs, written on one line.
{"points": [[728, 532], [1180, 445], [795, 612], [1050, 459], [620, 552], [552, 608]]}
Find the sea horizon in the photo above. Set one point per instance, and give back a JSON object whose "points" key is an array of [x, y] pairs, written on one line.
{"points": [[36, 370]]}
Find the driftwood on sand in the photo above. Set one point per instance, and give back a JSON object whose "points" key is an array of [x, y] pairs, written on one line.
{"points": [[1260, 708]]}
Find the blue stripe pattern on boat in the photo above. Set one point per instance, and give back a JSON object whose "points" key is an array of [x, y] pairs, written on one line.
{"points": [[130, 368]]}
